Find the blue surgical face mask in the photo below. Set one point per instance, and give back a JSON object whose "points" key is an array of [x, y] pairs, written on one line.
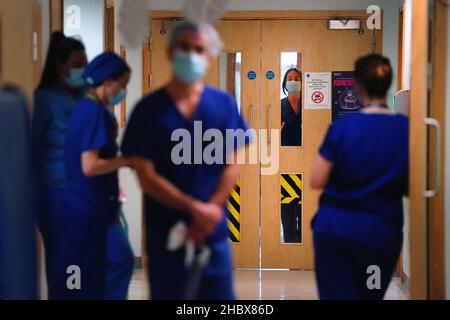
{"points": [[75, 79], [293, 87], [188, 67], [118, 97]]}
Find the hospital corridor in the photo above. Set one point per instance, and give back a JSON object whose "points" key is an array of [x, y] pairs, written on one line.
{"points": [[247, 152]]}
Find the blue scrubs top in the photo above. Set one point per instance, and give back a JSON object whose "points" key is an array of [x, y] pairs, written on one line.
{"points": [[53, 108], [149, 136], [291, 135], [92, 127], [363, 198]]}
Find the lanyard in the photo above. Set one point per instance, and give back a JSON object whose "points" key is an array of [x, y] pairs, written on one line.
{"points": [[89, 95]]}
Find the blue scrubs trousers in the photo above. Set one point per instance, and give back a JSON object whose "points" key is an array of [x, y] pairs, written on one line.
{"points": [[85, 247], [56, 239], [168, 275], [341, 268], [120, 263], [50, 221]]}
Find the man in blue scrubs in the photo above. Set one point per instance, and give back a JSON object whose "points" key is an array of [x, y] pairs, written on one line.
{"points": [[193, 193]]}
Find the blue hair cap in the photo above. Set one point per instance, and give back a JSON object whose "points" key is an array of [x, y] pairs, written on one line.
{"points": [[103, 67]]}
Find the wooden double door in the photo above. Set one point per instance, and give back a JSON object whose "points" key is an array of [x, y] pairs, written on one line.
{"points": [[271, 208]]}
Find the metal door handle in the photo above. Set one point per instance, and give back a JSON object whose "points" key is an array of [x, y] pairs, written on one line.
{"points": [[250, 115], [437, 177]]}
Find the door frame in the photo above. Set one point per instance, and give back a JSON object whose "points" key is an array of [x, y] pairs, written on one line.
{"points": [[56, 15], [270, 15], [435, 206], [109, 33], [400, 71], [37, 41], [252, 15], [427, 233], [418, 145]]}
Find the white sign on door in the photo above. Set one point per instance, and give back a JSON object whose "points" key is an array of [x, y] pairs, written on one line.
{"points": [[317, 90]]}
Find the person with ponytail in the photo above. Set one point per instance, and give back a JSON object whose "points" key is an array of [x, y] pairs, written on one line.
{"points": [[61, 86]]}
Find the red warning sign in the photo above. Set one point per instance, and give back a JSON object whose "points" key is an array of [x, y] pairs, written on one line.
{"points": [[317, 97]]}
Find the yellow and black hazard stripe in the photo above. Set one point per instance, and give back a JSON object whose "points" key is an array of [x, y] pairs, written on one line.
{"points": [[234, 214], [291, 188]]}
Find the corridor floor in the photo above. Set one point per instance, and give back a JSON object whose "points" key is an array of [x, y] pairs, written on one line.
{"points": [[270, 285]]}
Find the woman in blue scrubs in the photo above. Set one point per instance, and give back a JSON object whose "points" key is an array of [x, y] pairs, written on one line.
{"points": [[291, 109], [92, 190], [291, 136], [175, 191], [60, 88], [363, 168]]}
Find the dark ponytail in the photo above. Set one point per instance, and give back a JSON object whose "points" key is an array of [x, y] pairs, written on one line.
{"points": [[59, 51]]}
